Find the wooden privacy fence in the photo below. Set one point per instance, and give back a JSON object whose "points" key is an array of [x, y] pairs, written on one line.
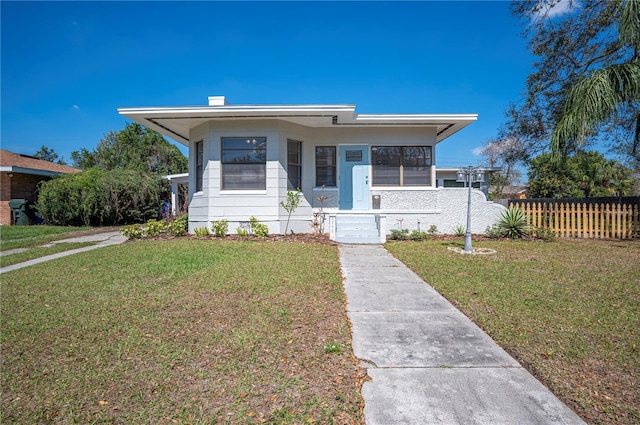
{"points": [[587, 219]]}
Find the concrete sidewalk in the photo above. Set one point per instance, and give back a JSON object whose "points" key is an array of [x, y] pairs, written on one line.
{"points": [[101, 240], [428, 363]]}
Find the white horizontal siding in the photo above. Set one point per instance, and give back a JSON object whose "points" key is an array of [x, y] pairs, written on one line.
{"points": [[237, 206]]}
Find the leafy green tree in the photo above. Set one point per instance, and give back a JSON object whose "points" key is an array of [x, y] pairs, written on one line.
{"points": [[605, 93], [47, 154], [83, 159], [133, 148], [549, 179], [100, 197], [570, 47], [585, 174], [120, 183]]}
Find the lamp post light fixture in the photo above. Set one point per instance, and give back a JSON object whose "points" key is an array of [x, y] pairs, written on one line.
{"points": [[469, 175]]}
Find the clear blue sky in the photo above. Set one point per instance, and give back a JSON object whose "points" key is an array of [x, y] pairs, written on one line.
{"points": [[67, 66]]}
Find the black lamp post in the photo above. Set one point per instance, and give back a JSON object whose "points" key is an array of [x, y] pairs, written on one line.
{"points": [[469, 175]]}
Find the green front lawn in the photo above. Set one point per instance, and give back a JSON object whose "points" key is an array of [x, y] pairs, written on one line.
{"points": [[12, 237], [180, 331], [569, 311], [31, 254]]}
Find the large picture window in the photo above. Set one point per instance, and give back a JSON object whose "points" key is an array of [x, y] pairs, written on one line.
{"points": [[294, 164], [244, 163], [401, 165], [325, 165]]}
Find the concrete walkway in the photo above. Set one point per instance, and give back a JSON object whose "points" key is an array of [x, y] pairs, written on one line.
{"points": [[428, 363], [101, 240]]}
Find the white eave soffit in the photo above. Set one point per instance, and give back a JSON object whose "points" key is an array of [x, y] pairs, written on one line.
{"points": [[175, 122]]}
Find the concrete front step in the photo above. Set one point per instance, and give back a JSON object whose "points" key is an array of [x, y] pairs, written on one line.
{"points": [[345, 219], [358, 240], [357, 229]]}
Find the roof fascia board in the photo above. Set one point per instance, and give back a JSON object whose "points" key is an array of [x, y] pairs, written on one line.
{"points": [[418, 117], [32, 171], [205, 111], [215, 110], [458, 168]]}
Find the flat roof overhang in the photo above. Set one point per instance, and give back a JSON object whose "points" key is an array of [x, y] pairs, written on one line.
{"points": [[32, 171], [176, 122]]}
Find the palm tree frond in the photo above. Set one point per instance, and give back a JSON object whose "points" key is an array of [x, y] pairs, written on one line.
{"points": [[594, 100], [630, 23]]}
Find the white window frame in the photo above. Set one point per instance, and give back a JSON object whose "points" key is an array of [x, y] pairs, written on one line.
{"points": [[401, 167], [255, 147], [295, 167]]}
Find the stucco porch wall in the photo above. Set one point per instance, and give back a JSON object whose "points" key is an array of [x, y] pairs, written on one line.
{"points": [[446, 208]]}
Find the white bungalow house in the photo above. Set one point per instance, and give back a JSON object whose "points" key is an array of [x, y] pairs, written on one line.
{"points": [[366, 173]]}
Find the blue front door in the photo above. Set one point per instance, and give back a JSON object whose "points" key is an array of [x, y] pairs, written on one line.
{"points": [[350, 156], [361, 187]]}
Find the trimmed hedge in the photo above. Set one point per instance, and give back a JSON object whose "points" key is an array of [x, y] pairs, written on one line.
{"points": [[98, 197]]}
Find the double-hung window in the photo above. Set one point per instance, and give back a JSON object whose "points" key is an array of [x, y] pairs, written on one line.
{"points": [[401, 165], [325, 165], [294, 164], [199, 165], [244, 163]]}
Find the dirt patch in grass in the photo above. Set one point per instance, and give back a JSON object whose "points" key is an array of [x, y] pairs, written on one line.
{"points": [[181, 331]]}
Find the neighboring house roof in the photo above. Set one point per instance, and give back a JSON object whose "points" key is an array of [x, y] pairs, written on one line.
{"points": [[455, 170], [18, 163], [178, 178], [176, 121], [512, 190]]}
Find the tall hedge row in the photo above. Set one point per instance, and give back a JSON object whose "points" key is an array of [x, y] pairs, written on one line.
{"points": [[97, 197]]}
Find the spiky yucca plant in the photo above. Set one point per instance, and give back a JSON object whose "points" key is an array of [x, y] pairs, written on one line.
{"points": [[514, 224]]}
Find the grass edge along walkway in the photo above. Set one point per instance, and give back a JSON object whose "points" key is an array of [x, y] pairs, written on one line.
{"points": [[12, 237], [22, 255]]}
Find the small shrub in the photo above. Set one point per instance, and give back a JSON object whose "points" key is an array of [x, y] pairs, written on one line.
{"points": [[333, 348], [494, 232], [178, 226], [133, 231], [318, 216], [433, 230], [513, 224], [417, 235], [155, 227], [293, 200], [220, 228], [459, 230], [544, 233], [201, 231], [241, 231], [399, 234], [318, 222], [259, 229]]}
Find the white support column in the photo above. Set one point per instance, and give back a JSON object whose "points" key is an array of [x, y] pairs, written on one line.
{"points": [[174, 198]]}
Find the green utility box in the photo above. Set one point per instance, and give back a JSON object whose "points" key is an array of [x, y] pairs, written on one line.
{"points": [[23, 212]]}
